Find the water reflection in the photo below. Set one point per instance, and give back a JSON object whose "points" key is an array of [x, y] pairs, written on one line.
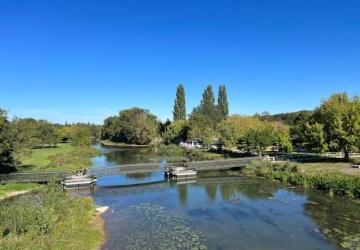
{"points": [[222, 212]]}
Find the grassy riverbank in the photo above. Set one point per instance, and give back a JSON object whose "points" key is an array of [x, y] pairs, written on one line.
{"points": [[48, 218], [64, 157], [109, 143], [331, 181], [12, 189]]}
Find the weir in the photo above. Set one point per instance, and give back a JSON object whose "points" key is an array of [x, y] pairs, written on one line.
{"points": [[199, 166]]}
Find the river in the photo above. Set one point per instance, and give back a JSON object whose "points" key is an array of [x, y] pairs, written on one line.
{"points": [[218, 211]]}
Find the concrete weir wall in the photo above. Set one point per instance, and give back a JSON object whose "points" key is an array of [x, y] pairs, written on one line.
{"points": [[152, 167]]}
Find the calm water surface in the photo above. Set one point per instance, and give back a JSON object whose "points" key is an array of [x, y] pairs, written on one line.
{"points": [[218, 212]]}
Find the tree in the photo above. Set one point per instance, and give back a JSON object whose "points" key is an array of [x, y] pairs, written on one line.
{"points": [[176, 132], [45, 134], [207, 105], [179, 106], [208, 109], [223, 104], [253, 135], [7, 147], [80, 135], [340, 117], [313, 137], [135, 126], [201, 128], [111, 129], [23, 132]]}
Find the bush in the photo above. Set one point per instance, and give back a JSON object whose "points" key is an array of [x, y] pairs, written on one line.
{"points": [[288, 173], [48, 219]]}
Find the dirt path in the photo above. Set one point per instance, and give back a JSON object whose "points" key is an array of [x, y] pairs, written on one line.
{"points": [[15, 193]]}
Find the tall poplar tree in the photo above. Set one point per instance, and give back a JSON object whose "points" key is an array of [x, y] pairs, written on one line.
{"points": [[207, 106], [179, 107], [223, 104]]}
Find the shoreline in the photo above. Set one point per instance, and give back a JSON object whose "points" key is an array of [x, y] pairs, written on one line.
{"points": [[108, 143]]}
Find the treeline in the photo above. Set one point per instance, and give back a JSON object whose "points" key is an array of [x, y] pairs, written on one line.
{"points": [[209, 123], [18, 136], [333, 126]]}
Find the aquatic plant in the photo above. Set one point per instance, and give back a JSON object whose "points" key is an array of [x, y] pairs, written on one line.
{"points": [[148, 226]]}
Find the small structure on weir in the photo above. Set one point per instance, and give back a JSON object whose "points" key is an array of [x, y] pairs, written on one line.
{"points": [[180, 172], [80, 180]]}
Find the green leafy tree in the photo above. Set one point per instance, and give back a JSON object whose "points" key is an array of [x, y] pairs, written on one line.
{"points": [[201, 128], [135, 126], [24, 133], [45, 134], [7, 147], [176, 132], [179, 106], [229, 133], [80, 135], [258, 139], [340, 117], [205, 118], [223, 104], [111, 129], [313, 137]]}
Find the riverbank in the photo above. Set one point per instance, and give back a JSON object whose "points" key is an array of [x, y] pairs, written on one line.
{"points": [[330, 181], [63, 157], [48, 218], [109, 143], [14, 189]]}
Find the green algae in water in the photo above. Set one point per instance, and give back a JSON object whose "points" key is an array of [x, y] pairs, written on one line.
{"points": [[148, 226]]}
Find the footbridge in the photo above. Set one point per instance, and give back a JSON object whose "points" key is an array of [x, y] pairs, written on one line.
{"points": [[212, 165], [44, 177]]}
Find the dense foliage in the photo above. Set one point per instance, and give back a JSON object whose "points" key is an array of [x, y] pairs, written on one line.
{"points": [[133, 126], [334, 126], [288, 173], [179, 106], [253, 135], [223, 104], [7, 145], [289, 119], [48, 219]]}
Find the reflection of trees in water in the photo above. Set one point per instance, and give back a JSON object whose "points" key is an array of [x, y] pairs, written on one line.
{"points": [[129, 156], [140, 176], [251, 188], [337, 217], [211, 191], [183, 193]]}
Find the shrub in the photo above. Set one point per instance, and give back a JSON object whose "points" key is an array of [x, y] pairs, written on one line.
{"points": [[48, 219], [288, 173]]}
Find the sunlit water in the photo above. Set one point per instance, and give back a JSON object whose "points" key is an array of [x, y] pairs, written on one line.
{"points": [[218, 212]]}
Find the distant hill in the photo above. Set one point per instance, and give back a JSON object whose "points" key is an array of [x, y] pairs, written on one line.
{"points": [[286, 118]]}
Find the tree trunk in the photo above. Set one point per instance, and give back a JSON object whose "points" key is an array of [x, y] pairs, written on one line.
{"points": [[347, 156]]}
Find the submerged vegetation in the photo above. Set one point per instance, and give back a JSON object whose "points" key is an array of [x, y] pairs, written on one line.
{"points": [[148, 226], [289, 173], [48, 219]]}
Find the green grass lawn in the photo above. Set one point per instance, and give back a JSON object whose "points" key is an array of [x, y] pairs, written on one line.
{"points": [[13, 187], [329, 167], [64, 157]]}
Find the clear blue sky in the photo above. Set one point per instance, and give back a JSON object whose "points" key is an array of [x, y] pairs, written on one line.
{"points": [[85, 60]]}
